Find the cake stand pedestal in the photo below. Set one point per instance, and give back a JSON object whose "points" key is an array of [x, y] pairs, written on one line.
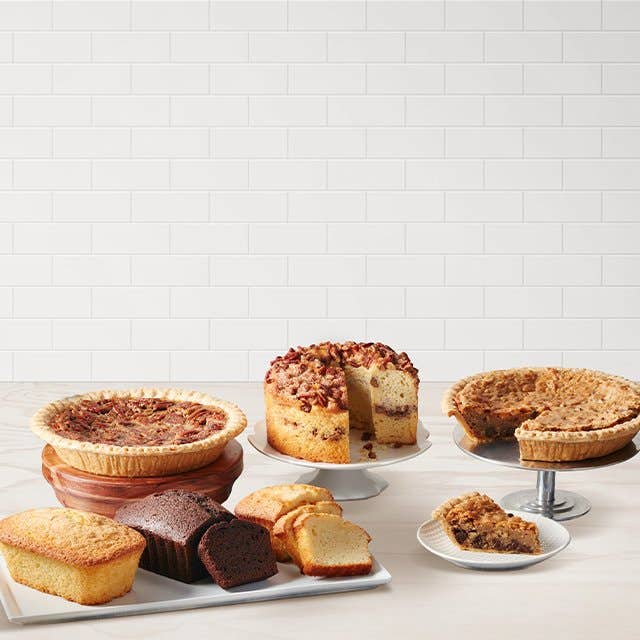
{"points": [[352, 480], [357, 484], [544, 499]]}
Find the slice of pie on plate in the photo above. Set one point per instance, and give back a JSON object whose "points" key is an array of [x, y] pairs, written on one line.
{"points": [[141, 432], [556, 414], [474, 522]]}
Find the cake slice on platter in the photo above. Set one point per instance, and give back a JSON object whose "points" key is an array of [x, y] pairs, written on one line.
{"points": [[283, 528], [474, 522], [330, 546]]}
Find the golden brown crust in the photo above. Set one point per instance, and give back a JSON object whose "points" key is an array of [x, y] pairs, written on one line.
{"points": [[555, 414], [446, 507], [355, 569], [267, 505], [320, 435], [134, 461], [74, 537]]}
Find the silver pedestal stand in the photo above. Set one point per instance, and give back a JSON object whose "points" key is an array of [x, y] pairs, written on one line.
{"points": [[545, 500]]}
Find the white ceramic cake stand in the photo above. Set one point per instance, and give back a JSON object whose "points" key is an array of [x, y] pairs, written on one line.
{"points": [[349, 481], [544, 499]]}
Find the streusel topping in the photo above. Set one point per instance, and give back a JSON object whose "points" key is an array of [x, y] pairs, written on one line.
{"points": [[314, 376]]}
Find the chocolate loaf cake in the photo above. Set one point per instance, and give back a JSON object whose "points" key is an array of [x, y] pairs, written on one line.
{"points": [[173, 523], [237, 552]]}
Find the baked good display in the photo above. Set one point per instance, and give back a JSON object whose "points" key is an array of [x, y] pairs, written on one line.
{"points": [[324, 546], [330, 546], [141, 432], [474, 522], [79, 556], [267, 505], [314, 395], [173, 523], [556, 414], [237, 552]]}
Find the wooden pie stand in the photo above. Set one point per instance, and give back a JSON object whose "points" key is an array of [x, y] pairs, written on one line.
{"points": [[105, 494], [544, 499]]}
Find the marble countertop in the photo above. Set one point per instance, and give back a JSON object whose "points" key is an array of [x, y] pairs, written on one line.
{"points": [[588, 591]]}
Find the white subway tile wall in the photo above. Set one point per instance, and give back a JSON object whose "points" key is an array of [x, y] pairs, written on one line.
{"points": [[188, 188]]}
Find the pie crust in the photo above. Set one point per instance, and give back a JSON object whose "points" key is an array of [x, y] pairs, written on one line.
{"points": [[139, 460], [558, 444]]}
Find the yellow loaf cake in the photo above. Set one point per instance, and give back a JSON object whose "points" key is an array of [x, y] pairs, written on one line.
{"points": [[314, 395], [283, 528], [80, 556], [327, 545]]}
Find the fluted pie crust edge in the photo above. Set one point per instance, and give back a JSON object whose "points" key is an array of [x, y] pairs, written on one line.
{"points": [[143, 460], [554, 446]]}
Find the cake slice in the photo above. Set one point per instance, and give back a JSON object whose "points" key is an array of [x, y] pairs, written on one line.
{"points": [[83, 557], [330, 546], [266, 506], [474, 522], [172, 523], [283, 528], [237, 552]]}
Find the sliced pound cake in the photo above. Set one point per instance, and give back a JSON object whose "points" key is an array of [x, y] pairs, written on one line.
{"points": [[283, 528], [266, 506], [330, 546]]}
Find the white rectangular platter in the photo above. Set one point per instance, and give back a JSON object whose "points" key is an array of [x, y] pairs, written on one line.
{"points": [[153, 593]]}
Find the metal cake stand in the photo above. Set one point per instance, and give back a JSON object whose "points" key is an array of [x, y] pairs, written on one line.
{"points": [[544, 499]]}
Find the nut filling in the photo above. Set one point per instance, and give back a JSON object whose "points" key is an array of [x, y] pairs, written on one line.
{"points": [[476, 523], [138, 421]]}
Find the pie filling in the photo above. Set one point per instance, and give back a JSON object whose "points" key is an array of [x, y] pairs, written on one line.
{"points": [[477, 523], [138, 421]]}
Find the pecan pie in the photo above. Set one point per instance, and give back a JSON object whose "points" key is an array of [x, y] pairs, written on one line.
{"points": [[315, 394], [555, 414], [143, 432], [476, 523]]}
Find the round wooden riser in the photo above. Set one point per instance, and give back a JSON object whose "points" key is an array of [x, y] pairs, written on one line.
{"points": [[105, 494]]}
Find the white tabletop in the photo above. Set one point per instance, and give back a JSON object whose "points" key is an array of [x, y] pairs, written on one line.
{"points": [[589, 591]]}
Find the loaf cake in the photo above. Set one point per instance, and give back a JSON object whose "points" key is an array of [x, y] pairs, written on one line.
{"points": [[83, 557], [237, 552], [474, 522], [315, 394], [266, 506], [330, 546], [283, 528], [173, 523]]}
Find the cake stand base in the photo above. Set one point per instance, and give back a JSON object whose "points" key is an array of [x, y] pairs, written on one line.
{"points": [[357, 484], [545, 500]]}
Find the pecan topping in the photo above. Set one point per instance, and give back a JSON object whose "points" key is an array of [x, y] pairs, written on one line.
{"points": [[138, 421], [314, 375]]}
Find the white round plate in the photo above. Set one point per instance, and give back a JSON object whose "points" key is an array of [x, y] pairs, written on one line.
{"points": [[385, 454], [553, 538]]}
